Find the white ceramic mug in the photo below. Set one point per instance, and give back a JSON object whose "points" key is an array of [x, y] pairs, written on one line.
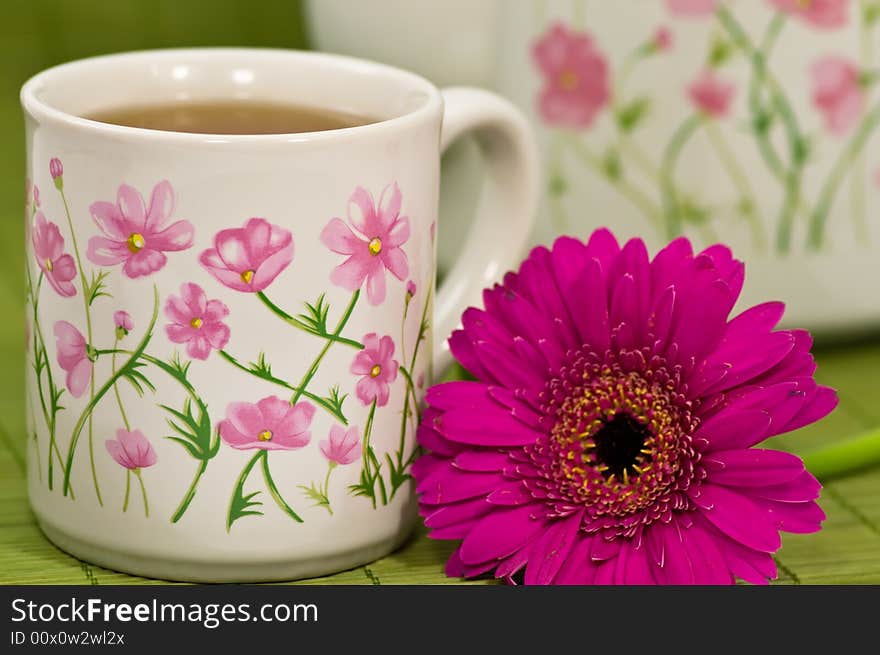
{"points": [[230, 335]]}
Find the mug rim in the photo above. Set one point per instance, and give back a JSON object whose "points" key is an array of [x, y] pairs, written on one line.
{"points": [[46, 113]]}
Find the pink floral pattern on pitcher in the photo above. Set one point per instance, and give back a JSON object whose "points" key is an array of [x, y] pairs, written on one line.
{"points": [[767, 140], [692, 8], [838, 93], [576, 81], [137, 235], [821, 14], [711, 94]]}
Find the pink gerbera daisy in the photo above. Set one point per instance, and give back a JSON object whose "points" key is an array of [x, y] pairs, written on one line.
{"points": [[609, 435]]}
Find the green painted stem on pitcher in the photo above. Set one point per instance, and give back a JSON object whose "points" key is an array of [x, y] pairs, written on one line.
{"points": [[671, 154], [292, 320], [838, 172], [628, 190], [88, 311], [792, 176], [845, 457], [740, 181]]}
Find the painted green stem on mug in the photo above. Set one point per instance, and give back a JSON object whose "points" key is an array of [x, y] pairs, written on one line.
{"points": [[41, 360], [398, 467], [273, 490], [89, 408], [116, 388], [83, 286], [295, 322], [307, 378], [836, 176], [137, 474], [127, 490], [287, 385]]}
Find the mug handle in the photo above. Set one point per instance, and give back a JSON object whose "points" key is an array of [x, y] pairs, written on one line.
{"points": [[506, 210]]}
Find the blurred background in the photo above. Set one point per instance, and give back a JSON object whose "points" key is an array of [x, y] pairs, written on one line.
{"points": [[660, 47]]}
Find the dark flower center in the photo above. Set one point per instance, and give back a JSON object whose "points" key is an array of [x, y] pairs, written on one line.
{"points": [[618, 441], [619, 444]]}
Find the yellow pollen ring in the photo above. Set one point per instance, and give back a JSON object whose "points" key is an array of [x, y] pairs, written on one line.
{"points": [[247, 276], [196, 323], [375, 246], [568, 80], [48, 264], [375, 371], [135, 242], [265, 435]]}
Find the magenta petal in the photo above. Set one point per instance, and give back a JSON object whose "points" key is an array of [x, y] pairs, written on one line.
{"points": [[485, 428], [819, 405], [754, 467], [675, 567], [738, 517], [510, 566], [499, 534], [604, 549], [512, 493], [803, 488], [756, 568], [478, 460], [551, 549], [454, 565], [638, 569], [455, 513], [577, 569], [735, 428], [800, 518], [707, 562], [448, 485]]}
